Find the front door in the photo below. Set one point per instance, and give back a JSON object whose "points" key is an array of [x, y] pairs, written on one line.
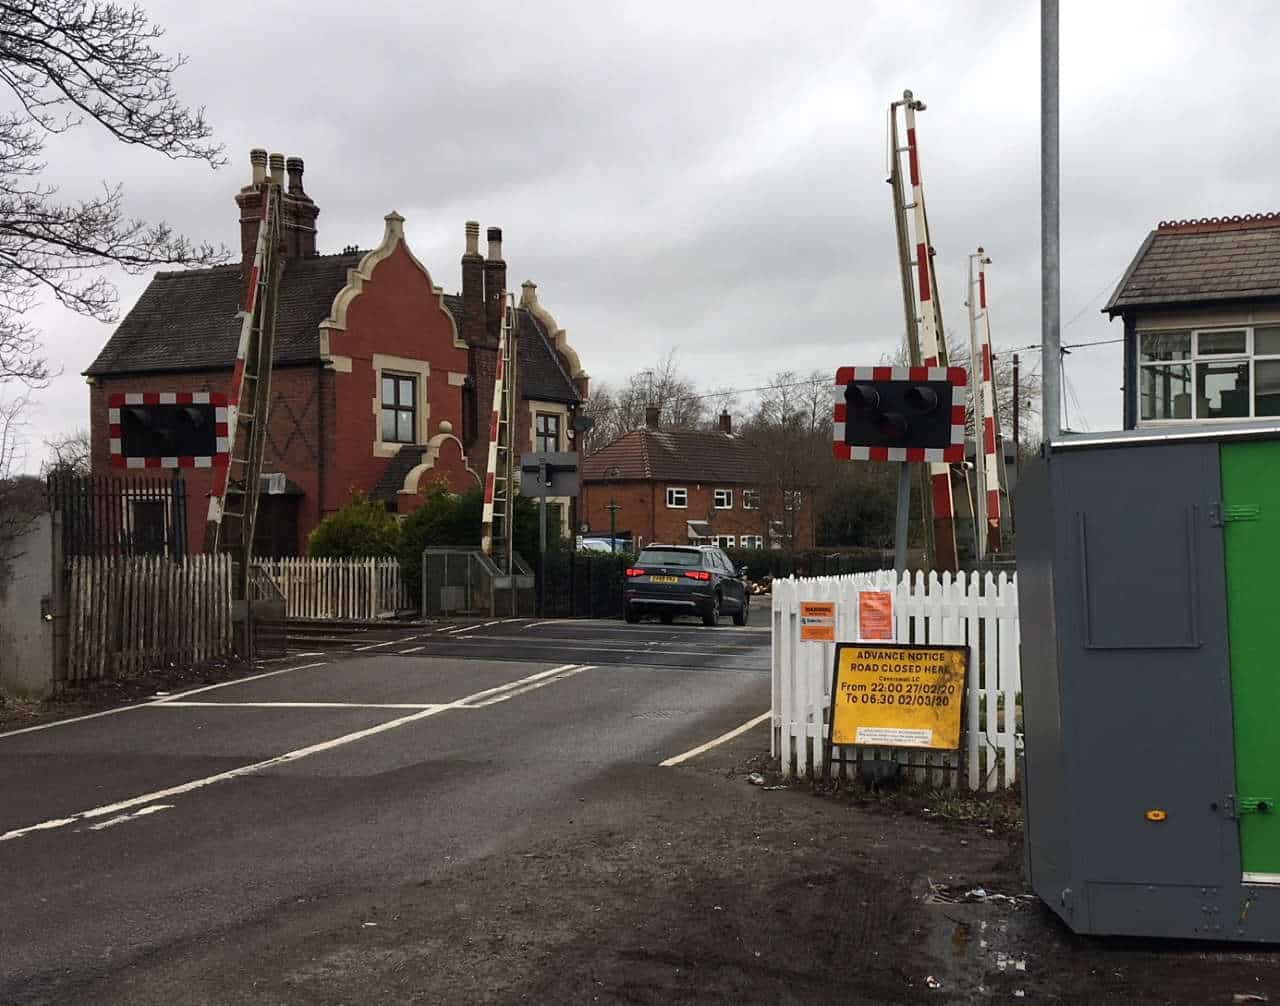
{"points": [[1251, 529]]}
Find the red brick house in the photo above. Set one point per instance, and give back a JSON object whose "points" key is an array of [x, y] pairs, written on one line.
{"points": [[379, 375], [693, 486]]}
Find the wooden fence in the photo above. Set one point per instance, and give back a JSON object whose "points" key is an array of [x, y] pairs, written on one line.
{"points": [[128, 615], [979, 610], [340, 588]]}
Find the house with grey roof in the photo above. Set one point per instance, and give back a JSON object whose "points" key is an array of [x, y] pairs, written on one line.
{"points": [[382, 382], [1200, 304]]}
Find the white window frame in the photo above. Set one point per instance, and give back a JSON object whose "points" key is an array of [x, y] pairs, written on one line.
{"points": [[724, 541], [792, 499], [1196, 357], [683, 497], [750, 499], [727, 495], [753, 541]]}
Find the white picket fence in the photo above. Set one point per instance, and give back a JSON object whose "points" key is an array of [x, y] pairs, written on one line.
{"points": [[339, 588], [979, 610]]}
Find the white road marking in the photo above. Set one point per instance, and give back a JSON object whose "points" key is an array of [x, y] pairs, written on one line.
{"points": [[568, 673], [144, 812], [465, 628], [496, 622], [308, 705], [374, 646], [142, 705], [110, 809], [412, 649], [729, 650], [694, 752]]}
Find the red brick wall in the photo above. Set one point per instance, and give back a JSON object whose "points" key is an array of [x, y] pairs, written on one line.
{"points": [[397, 314], [293, 436], [645, 512]]}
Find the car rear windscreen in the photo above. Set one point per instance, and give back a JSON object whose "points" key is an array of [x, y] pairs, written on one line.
{"points": [[670, 557]]}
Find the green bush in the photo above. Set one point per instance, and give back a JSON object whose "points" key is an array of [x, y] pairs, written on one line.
{"points": [[362, 529]]}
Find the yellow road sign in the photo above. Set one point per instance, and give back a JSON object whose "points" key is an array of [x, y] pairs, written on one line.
{"points": [[898, 696]]}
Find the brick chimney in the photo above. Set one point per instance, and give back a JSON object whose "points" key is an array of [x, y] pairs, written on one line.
{"points": [[299, 211], [726, 422], [471, 326], [651, 413], [495, 284]]}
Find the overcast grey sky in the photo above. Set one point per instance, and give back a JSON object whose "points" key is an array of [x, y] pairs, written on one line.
{"points": [[709, 177]]}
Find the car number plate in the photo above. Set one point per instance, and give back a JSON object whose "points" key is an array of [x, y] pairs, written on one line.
{"points": [[664, 579]]}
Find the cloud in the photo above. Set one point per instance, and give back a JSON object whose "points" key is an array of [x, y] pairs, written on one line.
{"points": [[710, 177]]}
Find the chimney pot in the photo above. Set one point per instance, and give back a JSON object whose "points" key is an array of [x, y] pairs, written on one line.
{"points": [[258, 159], [473, 237], [726, 422], [294, 168], [277, 169], [495, 243], [651, 413]]}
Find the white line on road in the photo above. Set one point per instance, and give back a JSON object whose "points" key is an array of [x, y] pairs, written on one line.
{"points": [[567, 673], [694, 752], [142, 705], [374, 646], [144, 812], [412, 649], [308, 705], [464, 628], [138, 801]]}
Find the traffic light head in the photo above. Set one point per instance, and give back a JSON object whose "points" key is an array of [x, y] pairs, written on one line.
{"points": [[900, 414]]}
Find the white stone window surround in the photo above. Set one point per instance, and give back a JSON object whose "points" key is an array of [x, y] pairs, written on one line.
{"points": [[400, 366]]}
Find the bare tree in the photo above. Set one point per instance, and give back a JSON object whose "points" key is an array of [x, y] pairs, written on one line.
{"points": [[20, 495], [65, 61], [791, 428], [680, 403], [68, 454]]}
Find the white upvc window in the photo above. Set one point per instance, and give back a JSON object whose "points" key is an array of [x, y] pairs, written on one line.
{"points": [[724, 499], [792, 499], [752, 541], [677, 497], [1202, 375], [724, 540], [750, 499]]}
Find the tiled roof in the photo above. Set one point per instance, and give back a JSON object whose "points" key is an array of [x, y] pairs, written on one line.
{"points": [[392, 479], [677, 455], [188, 320], [1203, 260]]}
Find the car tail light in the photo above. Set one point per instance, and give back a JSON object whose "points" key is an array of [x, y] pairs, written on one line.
{"points": [[636, 572], [698, 574]]}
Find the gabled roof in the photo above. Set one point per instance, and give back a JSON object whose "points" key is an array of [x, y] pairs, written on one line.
{"points": [[190, 321], [677, 455], [1213, 259]]}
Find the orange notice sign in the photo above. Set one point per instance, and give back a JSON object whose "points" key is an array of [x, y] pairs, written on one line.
{"points": [[875, 616], [817, 621]]}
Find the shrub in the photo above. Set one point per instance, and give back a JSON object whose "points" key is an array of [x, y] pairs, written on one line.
{"points": [[362, 529]]}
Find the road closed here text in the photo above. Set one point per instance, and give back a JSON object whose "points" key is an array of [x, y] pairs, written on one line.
{"points": [[898, 696]]}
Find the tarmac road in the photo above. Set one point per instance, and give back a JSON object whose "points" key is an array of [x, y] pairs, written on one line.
{"points": [[203, 822]]}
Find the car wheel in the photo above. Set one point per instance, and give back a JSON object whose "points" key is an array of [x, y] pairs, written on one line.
{"points": [[712, 615], [740, 616], [631, 615], [667, 618]]}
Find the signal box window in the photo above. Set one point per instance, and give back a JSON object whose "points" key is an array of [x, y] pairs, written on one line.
{"points": [[399, 409]]}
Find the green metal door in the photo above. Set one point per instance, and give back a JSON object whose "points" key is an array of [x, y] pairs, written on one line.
{"points": [[1251, 529]]}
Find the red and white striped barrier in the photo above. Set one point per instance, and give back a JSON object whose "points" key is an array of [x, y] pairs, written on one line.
{"points": [[491, 467], [990, 438]]}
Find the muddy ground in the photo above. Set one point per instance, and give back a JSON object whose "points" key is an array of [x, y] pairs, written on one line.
{"points": [[690, 885]]}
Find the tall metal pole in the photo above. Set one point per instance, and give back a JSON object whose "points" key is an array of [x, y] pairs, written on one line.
{"points": [[901, 524], [1050, 278], [1017, 405], [975, 398]]}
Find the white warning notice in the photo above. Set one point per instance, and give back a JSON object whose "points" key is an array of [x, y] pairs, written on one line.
{"points": [[894, 736]]}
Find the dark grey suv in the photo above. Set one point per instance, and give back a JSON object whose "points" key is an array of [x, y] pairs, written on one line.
{"points": [[670, 580]]}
